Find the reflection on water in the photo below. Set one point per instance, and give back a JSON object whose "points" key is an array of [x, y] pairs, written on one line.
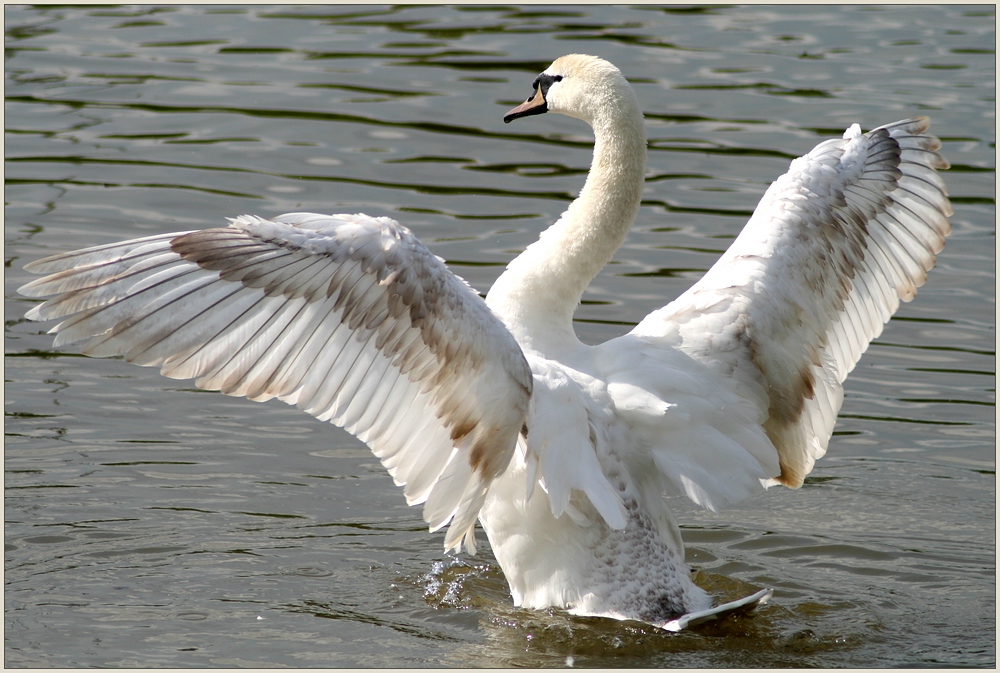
{"points": [[152, 524]]}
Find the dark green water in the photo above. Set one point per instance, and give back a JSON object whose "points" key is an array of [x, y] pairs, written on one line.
{"points": [[152, 524]]}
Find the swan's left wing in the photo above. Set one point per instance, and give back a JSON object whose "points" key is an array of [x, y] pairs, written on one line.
{"points": [[835, 243], [349, 318]]}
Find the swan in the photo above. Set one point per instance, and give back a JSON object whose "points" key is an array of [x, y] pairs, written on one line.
{"points": [[494, 410]]}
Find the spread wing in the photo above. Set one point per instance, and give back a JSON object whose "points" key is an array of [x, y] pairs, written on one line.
{"points": [[347, 317], [835, 243]]}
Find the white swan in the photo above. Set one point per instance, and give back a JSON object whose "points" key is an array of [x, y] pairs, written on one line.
{"points": [[495, 409]]}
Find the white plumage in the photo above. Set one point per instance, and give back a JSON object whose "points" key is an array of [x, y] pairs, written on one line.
{"points": [[495, 409]]}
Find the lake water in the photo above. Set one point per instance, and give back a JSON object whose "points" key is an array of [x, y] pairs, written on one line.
{"points": [[152, 524]]}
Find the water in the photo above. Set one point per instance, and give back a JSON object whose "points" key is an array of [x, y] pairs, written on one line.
{"points": [[151, 524]]}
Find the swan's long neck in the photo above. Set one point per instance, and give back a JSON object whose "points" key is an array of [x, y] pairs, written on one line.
{"points": [[538, 293]]}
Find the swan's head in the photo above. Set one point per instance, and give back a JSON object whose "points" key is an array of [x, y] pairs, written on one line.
{"points": [[585, 87]]}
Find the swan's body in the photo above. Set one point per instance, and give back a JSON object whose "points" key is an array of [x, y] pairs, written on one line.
{"points": [[496, 410]]}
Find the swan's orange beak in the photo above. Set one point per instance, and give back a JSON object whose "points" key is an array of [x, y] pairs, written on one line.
{"points": [[535, 105]]}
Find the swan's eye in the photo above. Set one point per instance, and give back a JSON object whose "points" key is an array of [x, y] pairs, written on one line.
{"points": [[544, 81]]}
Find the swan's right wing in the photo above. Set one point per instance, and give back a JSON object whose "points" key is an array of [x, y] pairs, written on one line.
{"points": [[835, 243], [347, 317]]}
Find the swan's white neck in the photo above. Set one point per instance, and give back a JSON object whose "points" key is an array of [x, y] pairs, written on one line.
{"points": [[541, 288]]}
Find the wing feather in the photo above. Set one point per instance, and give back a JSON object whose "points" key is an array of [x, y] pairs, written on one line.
{"points": [[347, 317], [832, 248]]}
